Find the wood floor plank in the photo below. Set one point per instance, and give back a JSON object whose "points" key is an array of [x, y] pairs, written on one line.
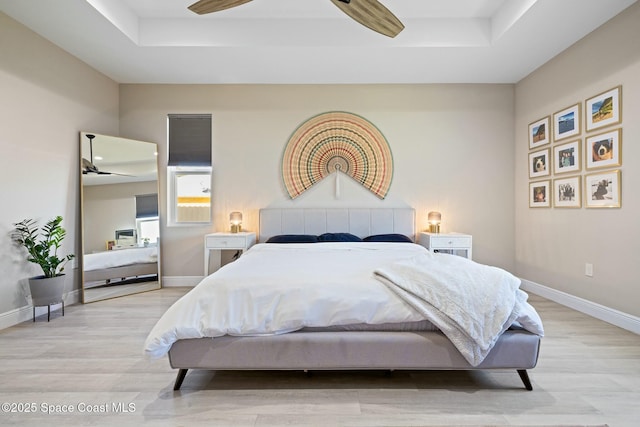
{"points": [[588, 374]]}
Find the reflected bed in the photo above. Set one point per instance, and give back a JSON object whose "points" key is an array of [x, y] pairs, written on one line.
{"points": [[118, 266]]}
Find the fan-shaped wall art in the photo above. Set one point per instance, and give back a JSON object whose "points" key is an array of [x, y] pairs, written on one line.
{"points": [[337, 142]]}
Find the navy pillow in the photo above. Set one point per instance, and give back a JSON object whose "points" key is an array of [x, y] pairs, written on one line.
{"points": [[388, 238], [293, 238], [338, 237]]}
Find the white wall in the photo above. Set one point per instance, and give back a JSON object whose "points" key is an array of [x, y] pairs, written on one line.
{"points": [[452, 147], [47, 98], [553, 245]]}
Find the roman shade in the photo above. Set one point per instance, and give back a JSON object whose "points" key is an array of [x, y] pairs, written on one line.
{"points": [[147, 205], [189, 140]]}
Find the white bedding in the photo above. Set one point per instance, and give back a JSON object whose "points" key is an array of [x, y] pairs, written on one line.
{"points": [[280, 288], [471, 303], [119, 258]]}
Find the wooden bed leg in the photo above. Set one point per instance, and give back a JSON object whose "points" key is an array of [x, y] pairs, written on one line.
{"points": [[179, 378], [524, 376]]}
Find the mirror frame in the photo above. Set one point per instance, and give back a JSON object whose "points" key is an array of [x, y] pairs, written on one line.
{"points": [[116, 162]]}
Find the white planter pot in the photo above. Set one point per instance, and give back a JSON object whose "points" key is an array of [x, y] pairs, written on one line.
{"points": [[46, 290]]}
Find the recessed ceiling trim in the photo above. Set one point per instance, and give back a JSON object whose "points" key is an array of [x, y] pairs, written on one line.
{"points": [[304, 33], [123, 18], [508, 15]]}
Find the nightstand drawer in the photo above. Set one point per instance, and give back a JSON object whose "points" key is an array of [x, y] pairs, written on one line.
{"points": [[450, 242], [221, 242]]}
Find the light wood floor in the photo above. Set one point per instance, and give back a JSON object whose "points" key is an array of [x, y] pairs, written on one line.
{"points": [[588, 373]]}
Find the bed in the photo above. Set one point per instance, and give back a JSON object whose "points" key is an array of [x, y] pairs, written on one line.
{"points": [[340, 304], [116, 266]]}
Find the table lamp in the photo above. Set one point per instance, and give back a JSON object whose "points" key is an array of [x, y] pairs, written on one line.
{"points": [[235, 218], [434, 219]]}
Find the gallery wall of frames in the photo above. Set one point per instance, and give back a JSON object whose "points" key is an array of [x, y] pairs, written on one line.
{"points": [[575, 155]]}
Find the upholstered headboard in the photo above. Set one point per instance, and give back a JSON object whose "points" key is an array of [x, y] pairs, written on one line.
{"points": [[362, 222]]}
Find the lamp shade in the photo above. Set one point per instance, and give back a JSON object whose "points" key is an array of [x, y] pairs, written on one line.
{"points": [[434, 217], [235, 218]]}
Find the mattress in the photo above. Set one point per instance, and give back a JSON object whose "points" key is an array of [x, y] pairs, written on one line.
{"points": [[417, 326]]}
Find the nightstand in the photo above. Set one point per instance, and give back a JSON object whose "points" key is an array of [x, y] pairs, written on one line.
{"points": [[226, 241], [452, 243]]}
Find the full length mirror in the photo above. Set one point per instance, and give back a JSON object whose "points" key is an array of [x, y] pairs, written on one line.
{"points": [[120, 226]]}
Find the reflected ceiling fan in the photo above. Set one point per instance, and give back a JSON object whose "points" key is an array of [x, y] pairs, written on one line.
{"points": [[89, 167], [370, 13]]}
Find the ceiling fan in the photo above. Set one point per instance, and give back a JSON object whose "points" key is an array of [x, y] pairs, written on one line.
{"points": [[90, 167], [370, 13]]}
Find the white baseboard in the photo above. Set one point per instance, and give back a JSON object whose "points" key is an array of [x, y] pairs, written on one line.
{"points": [[609, 315], [180, 281], [22, 314]]}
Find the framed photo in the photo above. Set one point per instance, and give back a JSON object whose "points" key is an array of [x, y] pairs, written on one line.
{"points": [[540, 194], [604, 150], [110, 244], [604, 109], [566, 192], [602, 190], [566, 157], [539, 163], [539, 133], [566, 123]]}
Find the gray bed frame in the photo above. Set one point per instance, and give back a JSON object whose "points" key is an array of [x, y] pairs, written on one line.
{"points": [[127, 271], [346, 350]]}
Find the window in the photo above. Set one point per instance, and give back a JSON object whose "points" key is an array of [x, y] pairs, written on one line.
{"points": [[147, 220], [189, 169]]}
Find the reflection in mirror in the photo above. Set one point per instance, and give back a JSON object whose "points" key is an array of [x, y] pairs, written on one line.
{"points": [[120, 225]]}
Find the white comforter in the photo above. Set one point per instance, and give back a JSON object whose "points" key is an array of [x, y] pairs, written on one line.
{"points": [[471, 303], [109, 259], [280, 288]]}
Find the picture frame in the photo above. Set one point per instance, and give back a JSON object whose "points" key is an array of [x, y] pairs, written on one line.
{"points": [[566, 157], [567, 192], [110, 244], [539, 163], [540, 194], [603, 150], [603, 189], [566, 123], [604, 109], [539, 132]]}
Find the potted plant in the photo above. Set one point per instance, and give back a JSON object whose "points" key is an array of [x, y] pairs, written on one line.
{"points": [[42, 246]]}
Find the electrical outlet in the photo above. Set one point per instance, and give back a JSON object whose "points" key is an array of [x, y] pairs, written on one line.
{"points": [[588, 270]]}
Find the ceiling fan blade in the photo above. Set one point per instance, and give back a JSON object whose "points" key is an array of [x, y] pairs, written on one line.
{"points": [[372, 14], [87, 167], [209, 6]]}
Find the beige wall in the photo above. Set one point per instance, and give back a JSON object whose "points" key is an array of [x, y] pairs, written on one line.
{"points": [[553, 245], [452, 147], [47, 98]]}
